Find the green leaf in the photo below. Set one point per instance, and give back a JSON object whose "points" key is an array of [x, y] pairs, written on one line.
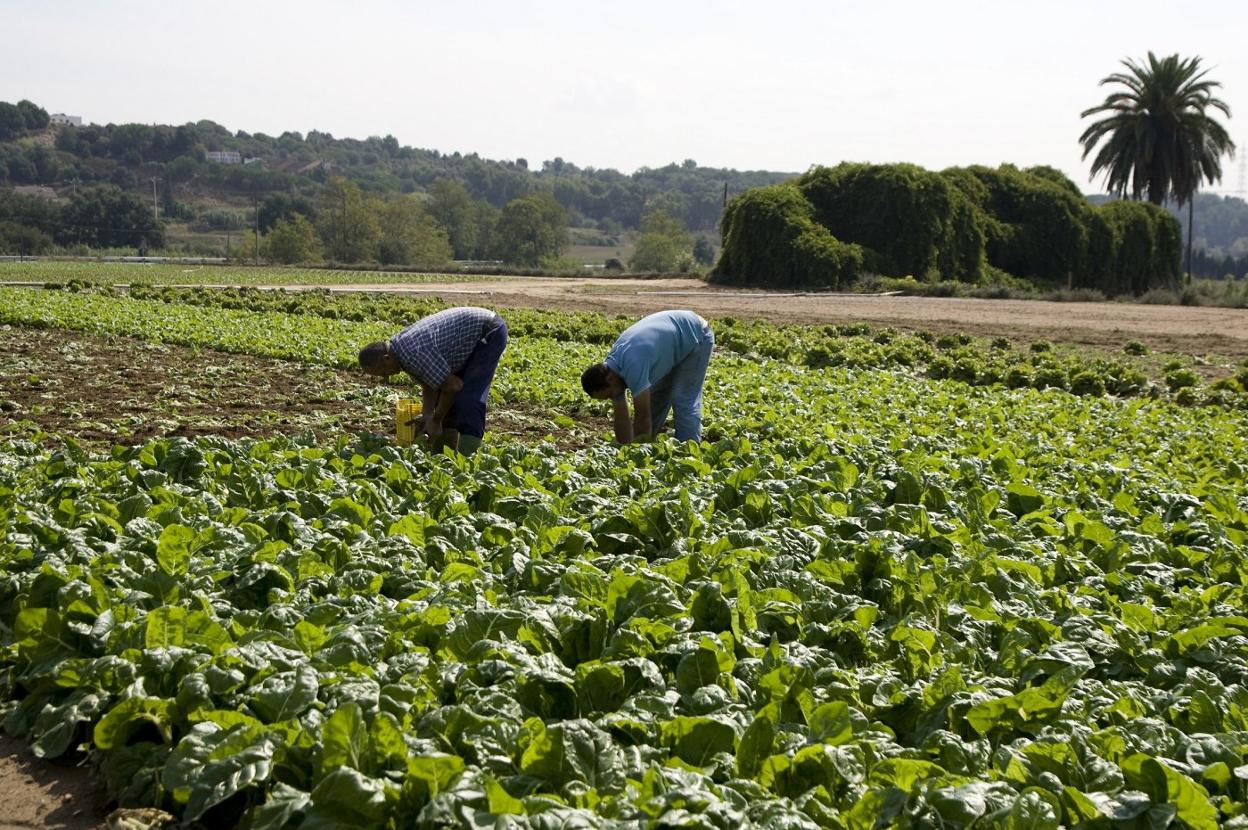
{"points": [[115, 728], [211, 765], [574, 751], [830, 724], [285, 695], [344, 739], [696, 739], [1022, 499], [1166, 785], [173, 550], [757, 741], [347, 797]]}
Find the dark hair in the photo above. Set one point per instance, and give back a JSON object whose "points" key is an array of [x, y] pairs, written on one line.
{"points": [[372, 354], [595, 378]]}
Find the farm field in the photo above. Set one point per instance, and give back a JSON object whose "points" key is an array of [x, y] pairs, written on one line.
{"points": [[1215, 332], [910, 578]]}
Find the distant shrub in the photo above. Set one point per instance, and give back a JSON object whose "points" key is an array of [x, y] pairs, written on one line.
{"points": [[770, 238], [909, 220]]}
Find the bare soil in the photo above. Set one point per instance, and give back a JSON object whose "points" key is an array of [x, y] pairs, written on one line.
{"points": [[101, 391], [1105, 325], [35, 793]]}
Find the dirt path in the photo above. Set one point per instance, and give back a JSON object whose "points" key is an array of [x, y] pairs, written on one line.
{"points": [[1165, 328]]}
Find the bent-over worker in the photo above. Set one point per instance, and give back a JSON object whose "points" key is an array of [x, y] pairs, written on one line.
{"points": [[453, 355], [662, 360]]}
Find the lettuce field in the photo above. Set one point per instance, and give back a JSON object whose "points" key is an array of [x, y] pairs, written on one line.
{"points": [[904, 581]]}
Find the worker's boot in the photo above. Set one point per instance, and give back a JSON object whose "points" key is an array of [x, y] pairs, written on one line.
{"points": [[468, 444]]}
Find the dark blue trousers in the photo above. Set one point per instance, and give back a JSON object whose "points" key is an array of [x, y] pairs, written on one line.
{"points": [[468, 409]]}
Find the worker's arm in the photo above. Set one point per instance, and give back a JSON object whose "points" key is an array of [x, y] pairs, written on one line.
{"points": [[446, 397], [623, 426], [428, 402], [641, 416]]}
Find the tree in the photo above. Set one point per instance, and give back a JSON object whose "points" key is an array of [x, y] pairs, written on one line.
{"points": [[283, 206], [293, 241], [11, 122], [532, 229], [348, 227], [452, 206], [22, 239], [703, 251], [1159, 133], [34, 116], [108, 217], [664, 245], [410, 236]]}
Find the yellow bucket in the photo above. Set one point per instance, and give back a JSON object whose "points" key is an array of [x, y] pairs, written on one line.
{"points": [[406, 420]]}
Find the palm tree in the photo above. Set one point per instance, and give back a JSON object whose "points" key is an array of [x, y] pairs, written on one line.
{"points": [[1159, 134]]}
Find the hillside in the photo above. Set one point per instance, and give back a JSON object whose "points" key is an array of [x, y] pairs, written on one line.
{"points": [[203, 166]]}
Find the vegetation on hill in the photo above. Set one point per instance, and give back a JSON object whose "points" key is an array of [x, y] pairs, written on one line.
{"points": [[439, 199], [129, 155]]}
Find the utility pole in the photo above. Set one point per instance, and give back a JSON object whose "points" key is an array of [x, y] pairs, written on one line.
{"points": [[155, 212], [255, 204]]}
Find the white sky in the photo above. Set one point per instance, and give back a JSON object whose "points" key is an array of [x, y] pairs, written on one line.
{"points": [[764, 84]]}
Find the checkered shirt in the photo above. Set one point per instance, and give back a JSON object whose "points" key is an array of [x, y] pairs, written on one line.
{"points": [[436, 347]]}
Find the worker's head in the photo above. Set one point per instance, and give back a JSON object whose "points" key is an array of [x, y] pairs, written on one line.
{"points": [[599, 381], [377, 359]]}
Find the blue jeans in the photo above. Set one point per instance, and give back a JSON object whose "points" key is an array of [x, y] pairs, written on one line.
{"points": [[680, 391], [468, 409]]}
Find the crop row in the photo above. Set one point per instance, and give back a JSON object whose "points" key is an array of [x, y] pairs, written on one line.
{"points": [[75, 274], [958, 357]]}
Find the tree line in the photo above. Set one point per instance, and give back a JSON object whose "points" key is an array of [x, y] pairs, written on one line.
{"points": [[129, 155], [345, 224]]}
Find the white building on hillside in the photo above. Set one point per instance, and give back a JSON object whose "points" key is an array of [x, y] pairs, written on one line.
{"points": [[224, 156], [62, 118]]}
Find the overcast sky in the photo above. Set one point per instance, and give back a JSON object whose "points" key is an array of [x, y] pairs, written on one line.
{"points": [[764, 84]]}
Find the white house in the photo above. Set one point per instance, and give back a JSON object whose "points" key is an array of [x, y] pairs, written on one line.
{"points": [[62, 118], [224, 156]]}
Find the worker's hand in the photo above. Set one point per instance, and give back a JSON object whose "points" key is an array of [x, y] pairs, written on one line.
{"points": [[433, 428]]}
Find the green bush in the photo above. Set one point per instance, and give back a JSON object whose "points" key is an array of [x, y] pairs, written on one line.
{"points": [[22, 239], [770, 238], [1008, 230], [1033, 226], [1147, 246], [910, 220]]}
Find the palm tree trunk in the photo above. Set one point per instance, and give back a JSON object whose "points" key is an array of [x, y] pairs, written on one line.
{"points": [[1190, 202]]}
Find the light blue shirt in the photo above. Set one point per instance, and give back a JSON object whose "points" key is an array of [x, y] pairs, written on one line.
{"points": [[649, 349]]}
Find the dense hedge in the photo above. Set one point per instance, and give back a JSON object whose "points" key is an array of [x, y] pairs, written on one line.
{"points": [[770, 237], [911, 221], [1147, 246], [1033, 226], [834, 223]]}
